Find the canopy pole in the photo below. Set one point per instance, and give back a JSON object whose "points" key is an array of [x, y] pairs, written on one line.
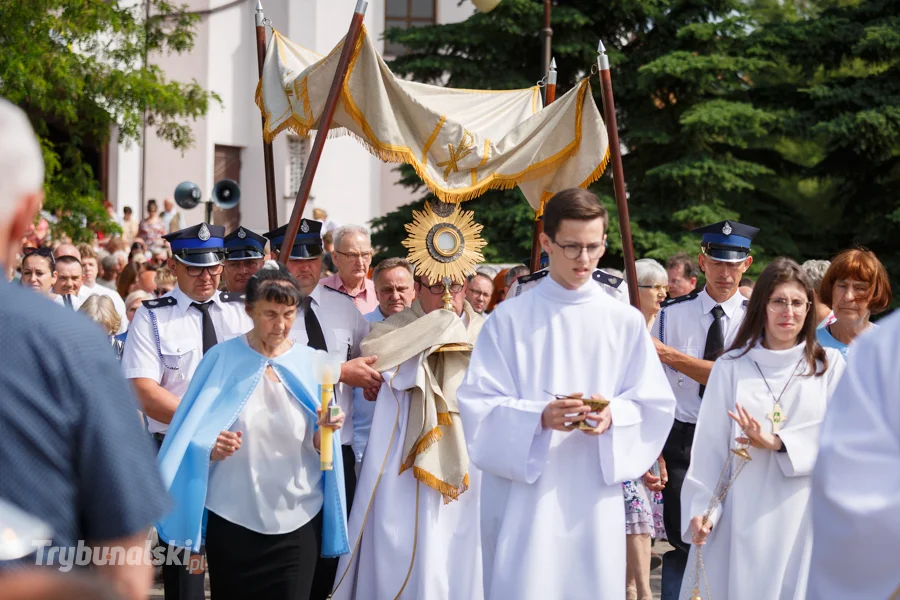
{"points": [[550, 92], [331, 102], [609, 111], [268, 159]]}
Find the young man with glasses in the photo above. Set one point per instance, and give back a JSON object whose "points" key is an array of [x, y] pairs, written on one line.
{"points": [[563, 400], [166, 341], [690, 333]]}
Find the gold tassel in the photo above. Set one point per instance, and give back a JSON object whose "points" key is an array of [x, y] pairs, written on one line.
{"points": [[447, 490], [445, 419]]}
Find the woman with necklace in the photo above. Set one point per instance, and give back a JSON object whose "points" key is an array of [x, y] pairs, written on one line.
{"points": [[768, 391], [241, 457], [856, 286]]}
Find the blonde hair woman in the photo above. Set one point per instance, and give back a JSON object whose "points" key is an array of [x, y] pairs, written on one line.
{"points": [[101, 310]]}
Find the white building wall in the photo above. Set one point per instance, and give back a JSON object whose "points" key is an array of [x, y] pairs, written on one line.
{"points": [[350, 184]]}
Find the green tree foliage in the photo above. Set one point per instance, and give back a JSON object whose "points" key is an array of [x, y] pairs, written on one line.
{"points": [[77, 68]]}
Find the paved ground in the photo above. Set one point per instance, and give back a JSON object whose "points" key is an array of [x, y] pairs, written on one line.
{"points": [[660, 548]]}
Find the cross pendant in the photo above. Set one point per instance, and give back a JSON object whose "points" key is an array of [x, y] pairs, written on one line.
{"points": [[777, 417]]}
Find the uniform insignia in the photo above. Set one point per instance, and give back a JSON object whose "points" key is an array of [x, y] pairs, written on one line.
{"points": [[304, 227], [241, 233], [203, 234], [232, 297], [606, 279], [328, 287], [745, 303], [533, 276], [160, 302], [726, 228], [685, 298]]}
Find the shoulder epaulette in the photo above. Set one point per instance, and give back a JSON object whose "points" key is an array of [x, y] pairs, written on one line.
{"points": [[533, 276], [328, 287], [232, 297], [745, 303], [684, 298], [160, 302], [607, 279]]}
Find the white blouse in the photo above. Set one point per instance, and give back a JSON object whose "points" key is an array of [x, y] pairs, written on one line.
{"points": [[272, 484]]}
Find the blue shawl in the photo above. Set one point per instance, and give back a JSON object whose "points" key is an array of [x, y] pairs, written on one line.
{"points": [[219, 389]]}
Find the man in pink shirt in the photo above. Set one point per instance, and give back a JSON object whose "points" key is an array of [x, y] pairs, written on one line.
{"points": [[353, 257]]}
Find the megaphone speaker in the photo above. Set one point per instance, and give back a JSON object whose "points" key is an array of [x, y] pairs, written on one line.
{"points": [[187, 195], [226, 194]]}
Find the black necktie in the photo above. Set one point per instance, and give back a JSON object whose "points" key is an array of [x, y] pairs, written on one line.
{"points": [[209, 330], [315, 337], [715, 338], [67, 300]]}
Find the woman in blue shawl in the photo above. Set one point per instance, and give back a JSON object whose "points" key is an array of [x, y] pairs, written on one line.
{"points": [[241, 458]]}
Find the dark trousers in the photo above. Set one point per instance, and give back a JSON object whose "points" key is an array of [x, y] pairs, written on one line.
{"points": [[184, 580], [326, 568], [246, 565], [677, 454]]}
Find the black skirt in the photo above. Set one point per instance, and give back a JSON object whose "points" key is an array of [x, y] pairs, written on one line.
{"points": [[244, 564]]}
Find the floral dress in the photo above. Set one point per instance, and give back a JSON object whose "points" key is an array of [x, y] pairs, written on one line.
{"points": [[643, 510]]}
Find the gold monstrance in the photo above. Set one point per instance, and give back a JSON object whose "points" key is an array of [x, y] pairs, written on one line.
{"points": [[444, 245], [737, 460]]}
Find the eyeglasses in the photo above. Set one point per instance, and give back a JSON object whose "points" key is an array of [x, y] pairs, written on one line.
{"points": [[798, 307], [573, 251], [42, 251], [455, 288], [213, 270], [356, 255], [656, 288], [479, 294]]}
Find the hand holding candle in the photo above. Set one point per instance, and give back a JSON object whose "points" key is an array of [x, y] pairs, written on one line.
{"points": [[328, 370]]}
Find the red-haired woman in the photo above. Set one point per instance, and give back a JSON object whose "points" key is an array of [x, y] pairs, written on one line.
{"points": [[856, 286]]}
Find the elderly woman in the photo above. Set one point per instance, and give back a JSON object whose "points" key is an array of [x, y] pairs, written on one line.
{"points": [[101, 310], [856, 286], [39, 271], [643, 499], [241, 457]]}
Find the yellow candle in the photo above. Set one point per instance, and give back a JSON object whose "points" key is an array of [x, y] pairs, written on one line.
{"points": [[326, 457]]}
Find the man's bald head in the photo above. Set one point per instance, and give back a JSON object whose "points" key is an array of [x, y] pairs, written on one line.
{"points": [[67, 250]]}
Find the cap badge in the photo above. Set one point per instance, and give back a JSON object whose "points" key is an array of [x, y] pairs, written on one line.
{"points": [[241, 233], [203, 234], [304, 227], [726, 229]]}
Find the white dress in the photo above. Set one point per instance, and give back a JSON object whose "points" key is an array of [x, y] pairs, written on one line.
{"points": [[553, 520], [761, 542]]}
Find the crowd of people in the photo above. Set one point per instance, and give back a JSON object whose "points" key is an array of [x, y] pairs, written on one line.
{"points": [[509, 435]]}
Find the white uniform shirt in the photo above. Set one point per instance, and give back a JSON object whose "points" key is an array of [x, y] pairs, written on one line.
{"points": [[612, 285], [344, 328], [172, 361], [683, 325]]}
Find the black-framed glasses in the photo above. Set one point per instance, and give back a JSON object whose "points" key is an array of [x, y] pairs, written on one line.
{"points": [[573, 251], [213, 270], [656, 288], [455, 288]]}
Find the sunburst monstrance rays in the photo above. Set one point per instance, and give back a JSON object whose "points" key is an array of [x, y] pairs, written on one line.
{"points": [[442, 247]]}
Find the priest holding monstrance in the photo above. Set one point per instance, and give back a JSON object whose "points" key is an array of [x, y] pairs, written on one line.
{"points": [[564, 399], [414, 527]]}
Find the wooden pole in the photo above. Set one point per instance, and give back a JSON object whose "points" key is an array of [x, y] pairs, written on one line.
{"points": [[268, 159], [550, 92], [609, 111], [331, 102]]}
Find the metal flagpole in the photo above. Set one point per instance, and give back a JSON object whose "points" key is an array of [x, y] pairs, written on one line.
{"points": [[609, 111], [550, 93], [268, 159], [340, 75]]}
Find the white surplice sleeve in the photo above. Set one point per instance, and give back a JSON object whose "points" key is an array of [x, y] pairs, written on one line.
{"points": [[802, 441], [856, 481], [503, 433], [712, 445], [643, 410]]}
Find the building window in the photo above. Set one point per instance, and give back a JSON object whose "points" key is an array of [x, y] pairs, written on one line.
{"points": [[406, 14]]}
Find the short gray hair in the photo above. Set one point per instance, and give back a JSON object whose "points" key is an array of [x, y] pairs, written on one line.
{"points": [[109, 262], [340, 232], [21, 161], [516, 272], [391, 263], [650, 272], [815, 270]]}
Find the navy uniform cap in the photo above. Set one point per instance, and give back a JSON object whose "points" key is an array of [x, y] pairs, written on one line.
{"points": [[728, 241], [243, 244], [307, 243], [198, 246]]}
